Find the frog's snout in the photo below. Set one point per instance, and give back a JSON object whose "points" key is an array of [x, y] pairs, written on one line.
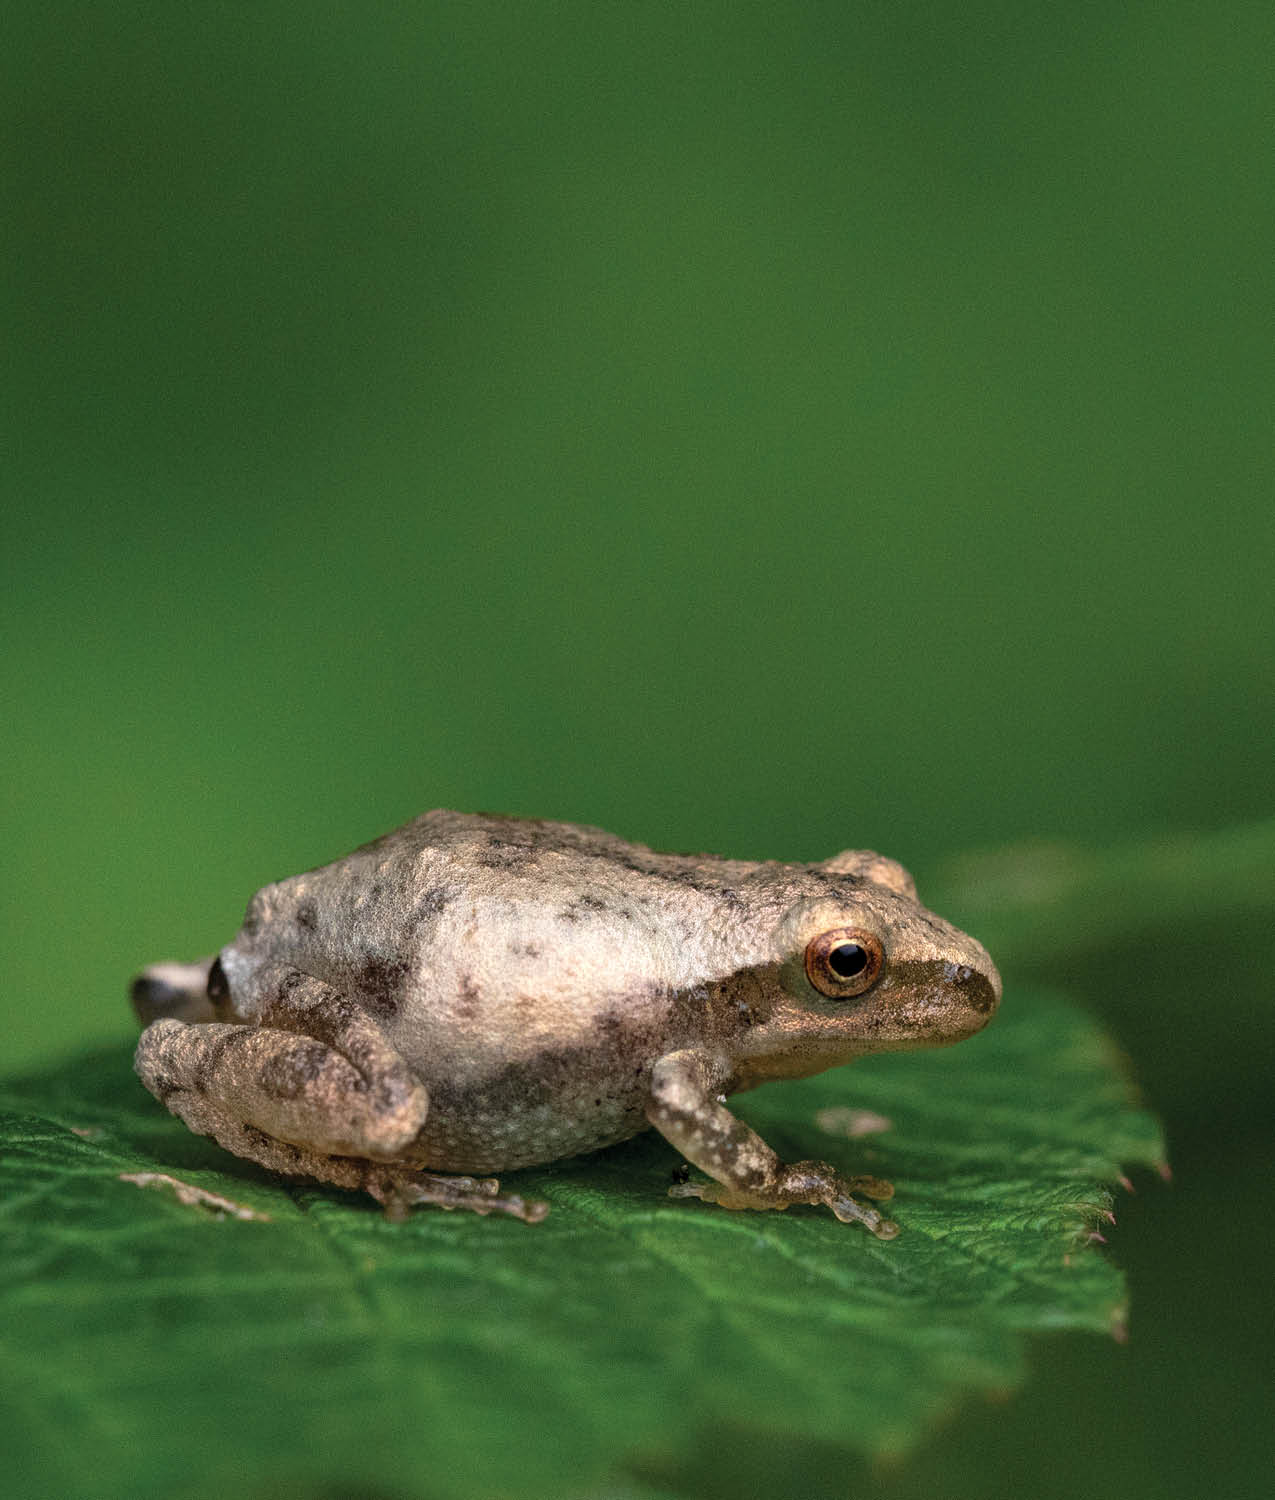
{"points": [[177, 990], [978, 985]]}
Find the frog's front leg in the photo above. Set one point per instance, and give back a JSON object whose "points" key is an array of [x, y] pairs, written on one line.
{"points": [[315, 1089], [685, 1109]]}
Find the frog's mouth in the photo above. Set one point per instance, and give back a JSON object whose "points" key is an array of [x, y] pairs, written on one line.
{"points": [[177, 990]]}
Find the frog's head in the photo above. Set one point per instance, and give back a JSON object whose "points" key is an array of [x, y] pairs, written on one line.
{"points": [[864, 967]]}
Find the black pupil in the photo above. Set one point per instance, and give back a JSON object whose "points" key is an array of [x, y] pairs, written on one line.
{"points": [[847, 959], [218, 989]]}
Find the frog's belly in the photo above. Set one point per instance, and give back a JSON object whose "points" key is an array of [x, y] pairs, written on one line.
{"points": [[523, 1117]]}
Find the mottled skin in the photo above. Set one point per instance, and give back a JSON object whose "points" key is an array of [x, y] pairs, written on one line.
{"points": [[477, 993]]}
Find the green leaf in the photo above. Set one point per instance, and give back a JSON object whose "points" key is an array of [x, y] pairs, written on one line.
{"points": [[158, 1348]]}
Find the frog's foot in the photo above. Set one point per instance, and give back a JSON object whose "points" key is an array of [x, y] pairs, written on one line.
{"points": [[804, 1182], [399, 1191]]}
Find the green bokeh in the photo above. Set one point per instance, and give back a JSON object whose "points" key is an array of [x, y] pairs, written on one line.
{"points": [[761, 428]]}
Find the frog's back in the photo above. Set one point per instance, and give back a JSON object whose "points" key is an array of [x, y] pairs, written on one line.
{"points": [[513, 964], [500, 834], [441, 925]]}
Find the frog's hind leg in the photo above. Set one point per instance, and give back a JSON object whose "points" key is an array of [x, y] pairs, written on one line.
{"points": [[315, 1090]]}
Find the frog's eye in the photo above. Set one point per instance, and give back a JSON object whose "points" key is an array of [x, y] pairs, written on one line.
{"points": [[218, 990], [843, 962]]}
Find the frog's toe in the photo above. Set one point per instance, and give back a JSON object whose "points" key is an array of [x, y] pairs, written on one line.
{"points": [[850, 1211], [876, 1188], [723, 1196], [399, 1192]]}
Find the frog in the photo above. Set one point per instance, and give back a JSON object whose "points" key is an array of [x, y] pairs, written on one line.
{"points": [[475, 993]]}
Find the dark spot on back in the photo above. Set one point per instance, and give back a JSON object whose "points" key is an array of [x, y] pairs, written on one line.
{"points": [[430, 905], [583, 906], [501, 854], [467, 1005], [666, 868], [307, 915], [381, 983]]}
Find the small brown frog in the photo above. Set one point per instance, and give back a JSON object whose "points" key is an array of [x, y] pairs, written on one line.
{"points": [[475, 993]]}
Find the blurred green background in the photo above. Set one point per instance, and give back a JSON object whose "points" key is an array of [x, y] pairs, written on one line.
{"points": [[749, 427]]}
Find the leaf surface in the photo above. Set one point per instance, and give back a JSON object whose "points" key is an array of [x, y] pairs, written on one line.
{"points": [[164, 1349]]}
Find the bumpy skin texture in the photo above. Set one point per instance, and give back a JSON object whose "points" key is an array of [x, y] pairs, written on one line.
{"points": [[472, 993]]}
